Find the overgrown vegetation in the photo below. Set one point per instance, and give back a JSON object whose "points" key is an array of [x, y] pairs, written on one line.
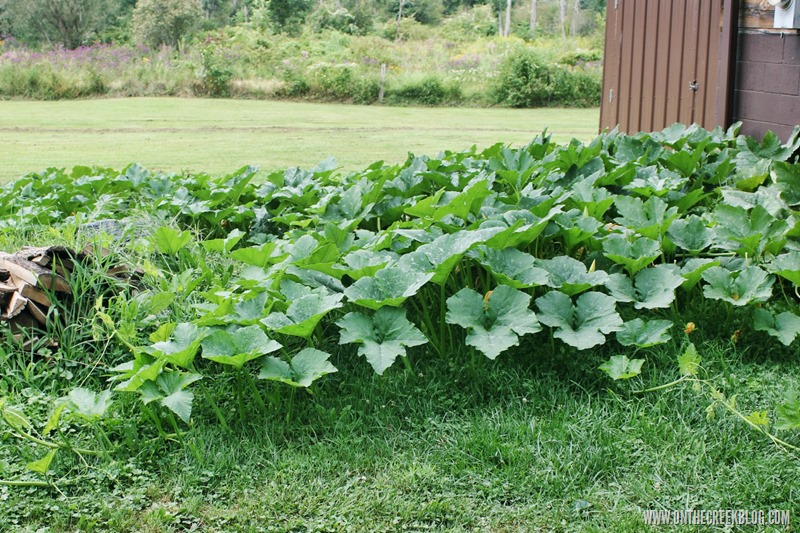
{"points": [[459, 60], [652, 257]]}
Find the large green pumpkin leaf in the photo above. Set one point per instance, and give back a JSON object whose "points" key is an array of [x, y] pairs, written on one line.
{"points": [[691, 234], [692, 270], [582, 325], [494, 322], [249, 309], [518, 227], [237, 346], [389, 286], [767, 197], [575, 227], [183, 346], [383, 337], [591, 199], [511, 267], [653, 288], [306, 367], [444, 253], [459, 205], [169, 390], [88, 404], [570, 276], [644, 334], [786, 266], [259, 256], [649, 219], [362, 263], [633, 256], [784, 326], [306, 309], [169, 241], [738, 288], [224, 245], [787, 179], [748, 234]]}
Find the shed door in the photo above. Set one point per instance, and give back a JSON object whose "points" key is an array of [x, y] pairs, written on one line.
{"points": [[663, 64]]}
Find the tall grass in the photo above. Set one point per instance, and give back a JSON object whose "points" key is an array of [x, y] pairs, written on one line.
{"points": [[433, 69]]}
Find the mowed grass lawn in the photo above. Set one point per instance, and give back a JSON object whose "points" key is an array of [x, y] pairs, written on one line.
{"points": [[219, 136]]}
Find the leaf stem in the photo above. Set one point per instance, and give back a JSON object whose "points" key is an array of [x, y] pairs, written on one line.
{"points": [[667, 385], [53, 445], [256, 395], [442, 323], [215, 408], [12, 483], [291, 405]]}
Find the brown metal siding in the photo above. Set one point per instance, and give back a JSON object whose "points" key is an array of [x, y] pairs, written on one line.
{"points": [[654, 50]]}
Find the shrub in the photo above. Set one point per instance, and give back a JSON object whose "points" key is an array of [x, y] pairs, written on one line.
{"points": [[215, 77], [344, 84], [333, 81], [409, 29], [470, 24], [164, 22], [333, 17], [428, 91], [528, 80], [294, 86]]}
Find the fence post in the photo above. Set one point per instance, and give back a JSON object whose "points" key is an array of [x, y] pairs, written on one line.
{"points": [[383, 82]]}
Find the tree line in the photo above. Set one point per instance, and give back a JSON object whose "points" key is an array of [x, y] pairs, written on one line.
{"points": [[72, 23]]}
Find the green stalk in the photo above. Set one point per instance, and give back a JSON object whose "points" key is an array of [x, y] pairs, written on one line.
{"points": [[291, 405], [240, 399], [53, 445], [214, 407], [102, 438], [174, 424], [426, 320], [772, 437], [256, 395], [665, 386], [10, 483], [154, 417], [442, 315], [406, 363]]}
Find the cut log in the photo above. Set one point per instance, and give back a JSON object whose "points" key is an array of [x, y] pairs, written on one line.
{"points": [[37, 312], [29, 272], [16, 305], [17, 268], [6, 288], [32, 293], [41, 260]]}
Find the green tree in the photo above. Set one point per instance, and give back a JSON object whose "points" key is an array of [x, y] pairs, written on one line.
{"points": [[288, 15], [69, 23], [160, 22], [423, 11]]}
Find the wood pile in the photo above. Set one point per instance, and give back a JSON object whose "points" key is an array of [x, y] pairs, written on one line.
{"points": [[32, 280]]}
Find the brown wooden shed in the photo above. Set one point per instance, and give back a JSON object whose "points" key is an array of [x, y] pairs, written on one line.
{"points": [[710, 62]]}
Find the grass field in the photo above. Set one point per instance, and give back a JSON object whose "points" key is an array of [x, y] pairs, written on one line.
{"points": [[219, 136], [532, 443]]}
